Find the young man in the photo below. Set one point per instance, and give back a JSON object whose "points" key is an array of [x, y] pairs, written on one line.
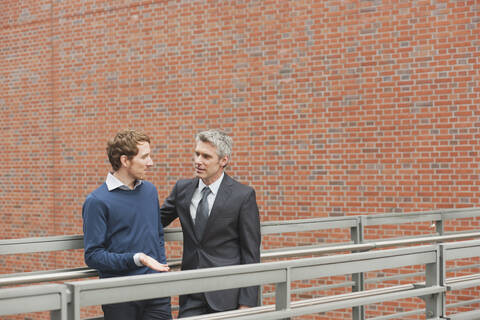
{"points": [[220, 224], [123, 234]]}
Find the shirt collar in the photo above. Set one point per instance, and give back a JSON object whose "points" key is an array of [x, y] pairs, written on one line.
{"points": [[213, 187], [114, 183]]}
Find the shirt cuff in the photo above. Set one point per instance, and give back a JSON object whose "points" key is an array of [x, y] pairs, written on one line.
{"points": [[136, 259]]}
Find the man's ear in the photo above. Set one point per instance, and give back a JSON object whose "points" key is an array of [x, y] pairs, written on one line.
{"points": [[124, 160], [224, 161]]}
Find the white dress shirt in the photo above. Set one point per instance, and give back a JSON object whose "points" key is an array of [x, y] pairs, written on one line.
{"points": [[197, 196]]}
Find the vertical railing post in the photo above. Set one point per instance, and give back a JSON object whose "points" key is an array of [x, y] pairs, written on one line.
{"points": [[434, 276], [440, 225], [283, 294], [260, 295], [73, 308], [357, 234], [62, 313]]}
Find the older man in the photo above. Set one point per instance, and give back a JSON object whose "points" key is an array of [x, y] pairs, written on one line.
{"points": [[220, 223]]}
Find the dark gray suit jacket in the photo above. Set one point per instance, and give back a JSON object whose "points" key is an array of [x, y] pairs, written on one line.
{"points": [[231, 237]]}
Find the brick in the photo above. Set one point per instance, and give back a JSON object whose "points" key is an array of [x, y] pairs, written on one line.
{"points": [[336, 108]]}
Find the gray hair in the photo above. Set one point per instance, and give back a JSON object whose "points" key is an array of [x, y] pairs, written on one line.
{"points": [[219, 139]]}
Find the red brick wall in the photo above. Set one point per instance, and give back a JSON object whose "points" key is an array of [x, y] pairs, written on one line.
{"points": [[336, 107]]}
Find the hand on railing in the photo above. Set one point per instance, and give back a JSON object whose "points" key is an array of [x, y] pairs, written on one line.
{"points": [[152, 263]]}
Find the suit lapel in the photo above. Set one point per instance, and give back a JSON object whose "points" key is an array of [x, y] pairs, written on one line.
{"points": [[187, 201], [221, 199]]}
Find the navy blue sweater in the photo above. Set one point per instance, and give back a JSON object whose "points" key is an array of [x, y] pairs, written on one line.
{"points": [[119, 223]]}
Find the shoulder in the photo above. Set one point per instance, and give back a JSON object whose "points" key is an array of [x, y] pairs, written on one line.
{"points": [[100, 193], [183, 183], [148, 185], [238, 186], [97, 197]]}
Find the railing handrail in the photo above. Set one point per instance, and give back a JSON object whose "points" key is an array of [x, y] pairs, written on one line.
{"points": [[48, 297], [67, 242], [281, 273], [356, 224], [409, 217], [85, 272], [434, 257], [112, 290]]}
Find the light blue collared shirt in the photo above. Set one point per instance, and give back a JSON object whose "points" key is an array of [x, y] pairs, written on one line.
{"points": [[197, 196], [114, 183]]}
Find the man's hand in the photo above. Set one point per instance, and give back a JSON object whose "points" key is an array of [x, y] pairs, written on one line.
{"points": [[152, 263]]}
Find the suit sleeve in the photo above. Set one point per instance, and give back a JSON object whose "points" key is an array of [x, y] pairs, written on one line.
{"points": [[168, 211], [250, 239], [97, 256]]}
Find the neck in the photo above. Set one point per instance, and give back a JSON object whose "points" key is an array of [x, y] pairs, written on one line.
{"points": [[213, 179], [124, 178]]}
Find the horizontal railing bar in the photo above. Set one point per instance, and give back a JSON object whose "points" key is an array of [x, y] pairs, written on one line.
{"points": [[376, 280], [66, 242], [460, 232], [269, 255], [409, 217], [32, 299], [299, 251], [310, 289], [463, 244], [303, 303], [463, 278], [469, 249], [470, 266], [382, 244], [33, 273], [359, 294], [274, 227], [318, 305], [376, 220], [113, 290], [462, 303], [173, 234], [434, 234], [463, 285], [365, 246], [395, 277], [41, 239], [235, 314], [58, 275], [340, 268], [468, 315], [170, 284], [265, 253], [461, 213], [399, 315], [40, 244]]}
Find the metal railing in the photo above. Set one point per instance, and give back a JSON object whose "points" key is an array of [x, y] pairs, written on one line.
{"points": [[113, 290], [48, 297], [66, 300], [355, 224]]}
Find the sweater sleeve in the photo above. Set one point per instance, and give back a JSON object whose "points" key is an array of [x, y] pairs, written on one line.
{"points": [[95, 222]]}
